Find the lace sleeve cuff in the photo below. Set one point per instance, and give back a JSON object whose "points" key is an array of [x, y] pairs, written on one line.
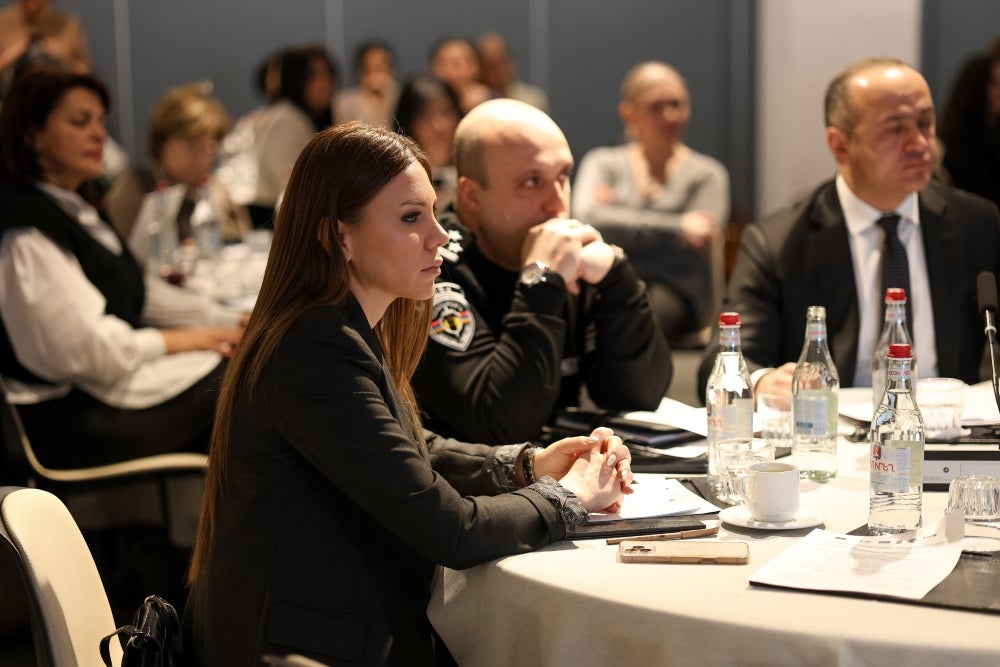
{"points": [[572, 511], [504, 469]]}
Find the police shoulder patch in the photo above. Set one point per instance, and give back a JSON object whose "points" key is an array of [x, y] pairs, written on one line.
{"points": [[452, 325]]}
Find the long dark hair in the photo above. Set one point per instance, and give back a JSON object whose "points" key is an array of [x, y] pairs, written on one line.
{"points": [[965, 115], [416, 93], [335, 177], [295, 64], [32, 99]]}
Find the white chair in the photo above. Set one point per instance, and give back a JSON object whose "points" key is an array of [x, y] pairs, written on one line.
{"points": [[21, 466], [66, 597]]}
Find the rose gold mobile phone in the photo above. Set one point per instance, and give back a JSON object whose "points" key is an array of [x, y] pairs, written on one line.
{"points": [[684, 551]]}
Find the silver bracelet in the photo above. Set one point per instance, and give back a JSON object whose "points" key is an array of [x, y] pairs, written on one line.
{"points": [[528, 464]]}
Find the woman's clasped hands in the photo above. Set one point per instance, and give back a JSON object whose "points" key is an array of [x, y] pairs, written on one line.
{"points": [[597, 468]]}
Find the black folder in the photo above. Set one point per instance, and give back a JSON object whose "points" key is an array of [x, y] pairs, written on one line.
{"points": [[628, 527]]}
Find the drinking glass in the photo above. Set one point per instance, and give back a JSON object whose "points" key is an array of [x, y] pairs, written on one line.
{"points": [[976, 495], [774, 413], [941, 401], [735, 455]]}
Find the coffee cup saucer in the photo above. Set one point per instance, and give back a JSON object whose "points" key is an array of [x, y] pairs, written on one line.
{"points": [[739, 515]]}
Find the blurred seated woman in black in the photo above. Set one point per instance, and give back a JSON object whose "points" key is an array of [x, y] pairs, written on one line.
{"points": [[306, 85], [103, 364], [327, 505], [969, 127]]}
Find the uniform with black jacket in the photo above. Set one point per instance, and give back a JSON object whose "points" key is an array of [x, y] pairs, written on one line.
{"points": [[504, 356]]}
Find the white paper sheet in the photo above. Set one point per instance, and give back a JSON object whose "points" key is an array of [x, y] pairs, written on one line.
{"points": [[885, 566], [655, 495], [675, 413], [980, 404]]}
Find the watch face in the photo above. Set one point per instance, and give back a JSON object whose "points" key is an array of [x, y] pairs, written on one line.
{"points": [[533, 273]]}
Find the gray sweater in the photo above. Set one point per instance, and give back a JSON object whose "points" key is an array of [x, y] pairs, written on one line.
{"points": [[650, 231]]}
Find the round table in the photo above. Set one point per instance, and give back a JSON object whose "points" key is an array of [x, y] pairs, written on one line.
{"points": [[571, 603]]}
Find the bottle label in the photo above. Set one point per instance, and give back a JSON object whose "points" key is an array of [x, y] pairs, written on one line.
{"points": [[896, 373], [894, 464], [812, 413], [731, 421], [816, 330]]}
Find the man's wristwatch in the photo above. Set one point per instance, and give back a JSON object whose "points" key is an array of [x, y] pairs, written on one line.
{"points": [[534, 273]]}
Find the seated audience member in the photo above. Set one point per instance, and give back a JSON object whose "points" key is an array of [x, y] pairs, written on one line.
{"points": [[34, 24], [838, 247], [90, 352], [531, 305], [661, 201], [500, 74], [185, 128], [373, 100], [454, 61], [970, 128], [306, 85], [327, 504], [49, 53], [428, 112]]}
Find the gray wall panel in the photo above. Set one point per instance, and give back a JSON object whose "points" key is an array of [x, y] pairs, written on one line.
{"points": [[412, 27], [952, 31], [580, 48], [593, 44], [186, 40]]}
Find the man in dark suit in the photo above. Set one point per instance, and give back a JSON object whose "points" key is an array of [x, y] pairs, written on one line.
{"points": [[828, 249]]}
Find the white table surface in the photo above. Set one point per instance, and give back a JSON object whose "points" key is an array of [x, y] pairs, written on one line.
{"points": [[571, 603]]}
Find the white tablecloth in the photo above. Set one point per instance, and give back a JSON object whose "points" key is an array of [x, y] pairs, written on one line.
{"points": [[571, 603]]}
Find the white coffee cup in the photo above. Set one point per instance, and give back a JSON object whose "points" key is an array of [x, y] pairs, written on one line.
{"points": [[770, 491]]}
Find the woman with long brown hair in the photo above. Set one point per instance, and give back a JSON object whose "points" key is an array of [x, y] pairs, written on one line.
{"points": [[327, 505]]}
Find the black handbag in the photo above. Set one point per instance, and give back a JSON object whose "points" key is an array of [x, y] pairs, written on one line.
{"points": [[154, 638]]}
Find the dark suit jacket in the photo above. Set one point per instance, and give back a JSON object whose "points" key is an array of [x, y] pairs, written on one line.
{"points": [[801, 257], [333, 516]]}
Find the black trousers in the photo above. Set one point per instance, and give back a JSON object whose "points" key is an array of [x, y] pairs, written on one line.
{"points": [[673, 313], [78, 430]]}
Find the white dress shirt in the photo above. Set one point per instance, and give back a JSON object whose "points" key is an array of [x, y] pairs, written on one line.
{"points": [[59, 331], [866, 240]]}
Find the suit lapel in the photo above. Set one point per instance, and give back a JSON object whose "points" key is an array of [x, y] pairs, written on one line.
{"points": [[940, 251], [830, 252]]}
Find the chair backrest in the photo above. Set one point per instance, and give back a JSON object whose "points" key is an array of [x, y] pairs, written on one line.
{"points": [[21, 465], [15, 466], [64, 587]]}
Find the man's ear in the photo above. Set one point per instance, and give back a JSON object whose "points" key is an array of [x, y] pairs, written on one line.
{"points": [[837, 139], [626, 111], [468, 194]]}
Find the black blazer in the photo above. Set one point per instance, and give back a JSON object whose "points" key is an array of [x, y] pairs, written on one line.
{"points": [[801, 257], [333, 517]]}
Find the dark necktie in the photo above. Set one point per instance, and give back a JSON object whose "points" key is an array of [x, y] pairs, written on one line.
{"points": [[895, 270]]}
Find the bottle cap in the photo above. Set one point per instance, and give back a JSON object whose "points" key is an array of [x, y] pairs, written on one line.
{"points": [[729, 320], [895, 294], [816, 312], [899, 351]]}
